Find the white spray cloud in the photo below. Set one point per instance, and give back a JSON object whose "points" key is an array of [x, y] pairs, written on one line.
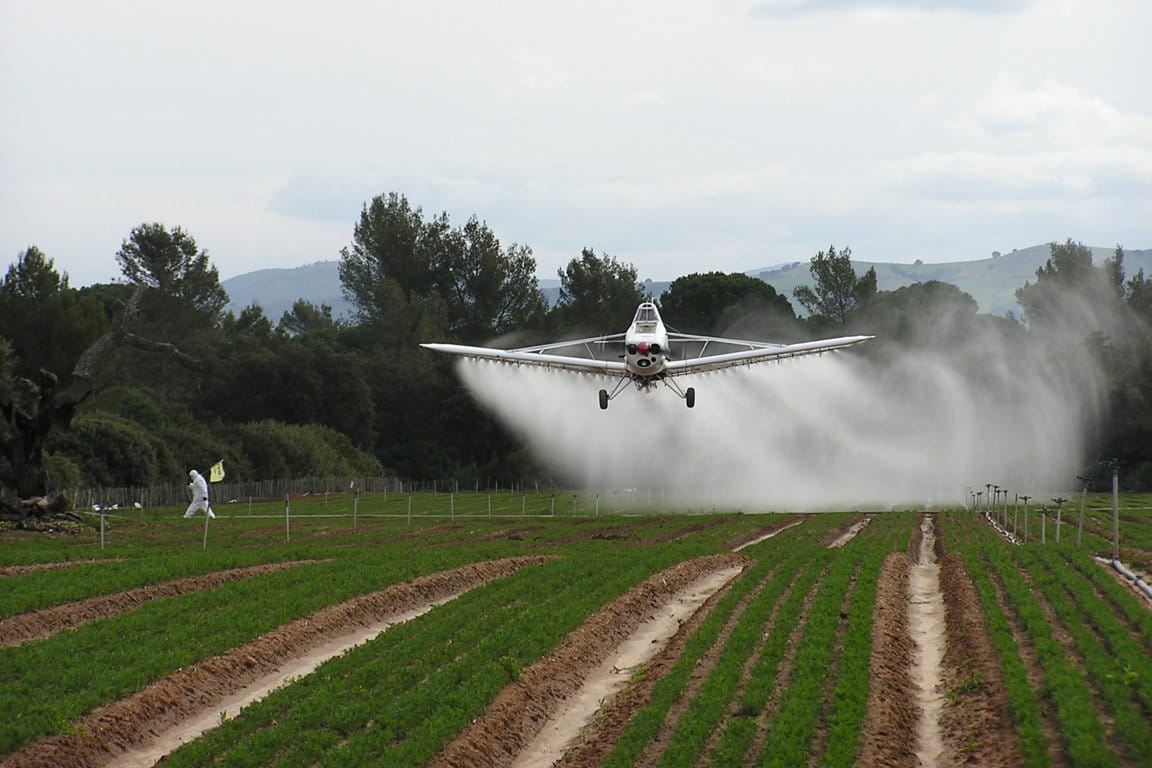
{"points": [[815, 432]]}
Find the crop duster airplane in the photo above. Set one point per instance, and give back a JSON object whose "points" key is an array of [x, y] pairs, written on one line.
{"points": [[647, 359]]}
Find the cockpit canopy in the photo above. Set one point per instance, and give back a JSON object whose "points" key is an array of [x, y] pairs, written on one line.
{"points": [[646, 313]]}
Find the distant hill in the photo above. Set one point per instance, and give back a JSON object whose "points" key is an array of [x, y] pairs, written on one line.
{"points": [[992, 282]]}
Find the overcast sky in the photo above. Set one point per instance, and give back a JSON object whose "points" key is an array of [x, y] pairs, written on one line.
{"points": [[679, 135]]}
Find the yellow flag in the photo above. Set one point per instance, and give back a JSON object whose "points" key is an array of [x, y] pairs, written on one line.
{"points": [[216, 472]]}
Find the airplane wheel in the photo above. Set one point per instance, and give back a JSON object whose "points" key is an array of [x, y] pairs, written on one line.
{"points": [[690, 396], [603, 399]]}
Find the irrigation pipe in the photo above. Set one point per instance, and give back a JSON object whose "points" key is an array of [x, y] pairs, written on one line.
{"points": [[1137, 580]]}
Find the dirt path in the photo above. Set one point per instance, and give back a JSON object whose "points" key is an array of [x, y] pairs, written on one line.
{"points": [[25, 627], [159, 712], [617, 668], [891, 716], [926, 624], [850, 534], [765, 536]]}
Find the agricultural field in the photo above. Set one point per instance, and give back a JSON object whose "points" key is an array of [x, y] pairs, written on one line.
{"points": [[524, 629]]}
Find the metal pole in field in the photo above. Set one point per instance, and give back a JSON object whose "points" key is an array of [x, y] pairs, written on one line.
{"points": [[355, 509], [1043, 527], [523, 505], [552, 507], [1025, 516], [101, 533], [489, 505], [409, 509], [597, 505], [1015, 514], [1059, 502], [1115, 509], [206, 519], [287, 519], [1083, 500], [452, 505]]}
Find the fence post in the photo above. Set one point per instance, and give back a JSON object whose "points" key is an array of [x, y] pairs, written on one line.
{"points": [[287, 520], [409, 509]]}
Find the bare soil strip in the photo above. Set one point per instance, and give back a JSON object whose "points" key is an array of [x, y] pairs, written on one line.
{"points": [[617, 668], [843, 534], [113, 731], [926, 623], [759, 537], [20, 570], [977, 722], [16, 630], [519, 712], [891, 714]]}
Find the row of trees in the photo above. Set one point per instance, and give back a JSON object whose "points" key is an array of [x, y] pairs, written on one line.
{"points": [[172, 381]]}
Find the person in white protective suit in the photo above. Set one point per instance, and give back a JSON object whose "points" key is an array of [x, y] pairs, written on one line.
{"points": [[199, 488]]}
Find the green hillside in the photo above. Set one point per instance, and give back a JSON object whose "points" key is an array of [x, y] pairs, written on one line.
{"points": [[992, 282]]}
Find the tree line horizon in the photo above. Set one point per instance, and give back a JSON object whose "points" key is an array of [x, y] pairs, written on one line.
{"points": [[170, 380]]}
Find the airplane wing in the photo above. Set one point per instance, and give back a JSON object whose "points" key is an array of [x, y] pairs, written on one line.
{"points": [[540, 356], [753, 352]]}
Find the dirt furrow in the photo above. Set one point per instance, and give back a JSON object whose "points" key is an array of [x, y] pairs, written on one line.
{"points": [[926, 622], [977, 721], [20, 570], [25, 627], [123, 727], [891, 715], [519, 712]]}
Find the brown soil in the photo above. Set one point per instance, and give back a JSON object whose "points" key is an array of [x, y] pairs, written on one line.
{"points": [[977, 723], [518, 712], [126, 725], [26, 627], [892, 714], [762, 534], [20, 570], [845, 532]]}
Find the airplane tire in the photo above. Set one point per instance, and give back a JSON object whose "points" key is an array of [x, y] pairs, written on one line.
{"points": [[603, 399], [690, 397]]}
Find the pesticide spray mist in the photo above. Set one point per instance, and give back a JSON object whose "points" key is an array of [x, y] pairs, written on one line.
{"points": [[817, 432]]}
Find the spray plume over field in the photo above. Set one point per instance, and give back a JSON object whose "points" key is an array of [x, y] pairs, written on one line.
{"points": [[896, 427]]}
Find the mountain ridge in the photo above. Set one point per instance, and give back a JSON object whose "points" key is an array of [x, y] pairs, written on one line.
{"points": [[992, 281]]}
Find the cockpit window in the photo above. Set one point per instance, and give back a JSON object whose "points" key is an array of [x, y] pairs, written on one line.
{"points": [[646, 314]]}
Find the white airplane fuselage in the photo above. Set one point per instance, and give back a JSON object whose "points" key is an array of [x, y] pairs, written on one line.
{"points": [[646, 345]]}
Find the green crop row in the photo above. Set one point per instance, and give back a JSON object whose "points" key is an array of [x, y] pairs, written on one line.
{"points": [[1120, 671], [710, 704], [1022, 700], [1079, 725], [739, 731], [400, 698], [646, 724], [794, 724]]}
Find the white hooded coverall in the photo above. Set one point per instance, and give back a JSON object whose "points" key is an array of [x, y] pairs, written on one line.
{"points": [[199, 488]]}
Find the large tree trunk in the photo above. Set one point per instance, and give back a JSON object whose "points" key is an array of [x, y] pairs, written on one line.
{"points": [[36, 408]]}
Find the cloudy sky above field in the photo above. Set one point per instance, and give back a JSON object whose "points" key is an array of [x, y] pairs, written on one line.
{"points": [[679, 135]]}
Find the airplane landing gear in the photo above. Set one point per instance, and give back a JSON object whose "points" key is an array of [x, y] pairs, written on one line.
{"points": [[690, 397], [603, 399]]}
